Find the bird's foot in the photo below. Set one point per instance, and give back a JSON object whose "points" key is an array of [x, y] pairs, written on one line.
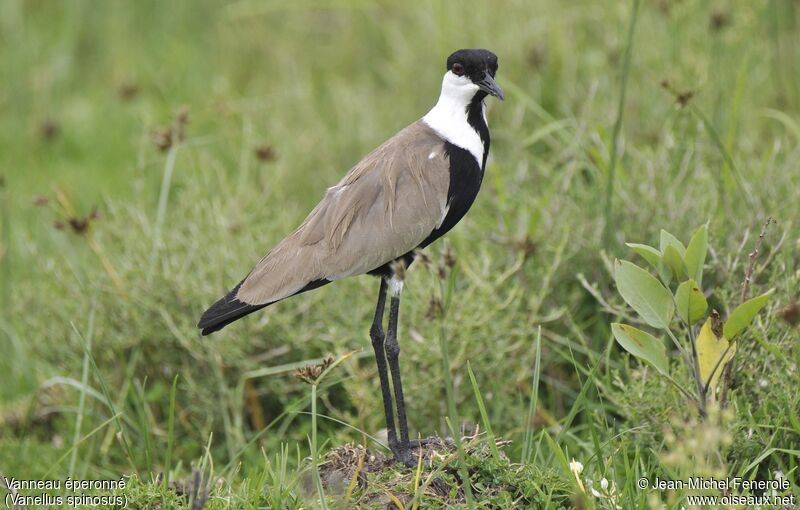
{"points": [[405, 455], [402, 452], [406, 459], [414, 444]]}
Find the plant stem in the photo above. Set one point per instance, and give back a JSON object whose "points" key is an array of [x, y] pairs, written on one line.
{"points": [[314, 458], [727, 370], [680, 348], [612, 165], [695, 369]]}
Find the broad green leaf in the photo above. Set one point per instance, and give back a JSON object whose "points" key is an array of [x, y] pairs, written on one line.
{"points": [[668, 239], [650, 254], [710, 350], [644, 293], [664, 272], [643, 345], [695, 255], [744, 314], [690, 301], [674, 260]]}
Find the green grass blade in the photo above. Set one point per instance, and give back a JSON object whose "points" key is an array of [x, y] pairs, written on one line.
{"points": [[109, 402], [144, 424], [170, 430], [609, 225], [161, 212], [466, 483], [484, 415], [527, 447], [84, 384]]}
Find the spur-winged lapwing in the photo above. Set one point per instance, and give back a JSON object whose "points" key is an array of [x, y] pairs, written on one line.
{"points": [[401, 197]]}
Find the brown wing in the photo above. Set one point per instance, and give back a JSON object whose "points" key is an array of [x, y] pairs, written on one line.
{"points": [[382, 209]]}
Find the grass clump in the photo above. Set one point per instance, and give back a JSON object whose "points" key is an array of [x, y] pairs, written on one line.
{"points": [[366, 479], [147, 496]]}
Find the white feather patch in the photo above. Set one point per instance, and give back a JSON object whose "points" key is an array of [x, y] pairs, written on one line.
{"points": [[395, 286], [335, 190], [444, 214], [449, 117]]}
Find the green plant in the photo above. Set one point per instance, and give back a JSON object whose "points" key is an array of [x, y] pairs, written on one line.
{"points": [[675, 303]]}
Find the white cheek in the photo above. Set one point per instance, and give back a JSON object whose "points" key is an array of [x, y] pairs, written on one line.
{"points": [[458, 87]]}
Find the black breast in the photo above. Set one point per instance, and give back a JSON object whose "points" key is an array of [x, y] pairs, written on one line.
{"points": [[465, 182]]}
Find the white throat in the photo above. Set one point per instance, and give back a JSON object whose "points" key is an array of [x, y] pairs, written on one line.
{"points": [[449, 117]]}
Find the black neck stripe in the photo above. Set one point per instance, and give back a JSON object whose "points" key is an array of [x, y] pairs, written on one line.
{"points": [[478, 123]]}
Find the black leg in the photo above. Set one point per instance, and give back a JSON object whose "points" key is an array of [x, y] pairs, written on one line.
{"points": [[377, 336], [393, 354]]}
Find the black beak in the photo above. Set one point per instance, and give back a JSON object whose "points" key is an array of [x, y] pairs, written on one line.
{"points": [[488, 85]]}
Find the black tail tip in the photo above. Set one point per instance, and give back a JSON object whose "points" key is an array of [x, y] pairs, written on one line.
{"points": [[224, 311], [206, 327]]}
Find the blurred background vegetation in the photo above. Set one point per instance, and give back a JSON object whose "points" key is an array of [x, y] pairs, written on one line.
{"points": [[150, 152]]}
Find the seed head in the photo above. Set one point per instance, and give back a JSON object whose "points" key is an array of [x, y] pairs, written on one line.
{"points": [[310, 374]]}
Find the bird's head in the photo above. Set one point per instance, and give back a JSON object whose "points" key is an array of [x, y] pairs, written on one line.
{"points": [[470, 76]]}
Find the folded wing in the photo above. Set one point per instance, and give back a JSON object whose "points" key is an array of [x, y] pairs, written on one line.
{"points": [[381, 210]]}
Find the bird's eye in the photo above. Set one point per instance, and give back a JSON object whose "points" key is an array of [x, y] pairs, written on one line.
{"points": [[458, 69]]}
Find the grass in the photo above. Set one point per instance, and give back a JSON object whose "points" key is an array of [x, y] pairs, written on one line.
{"points": [[506, 325]]}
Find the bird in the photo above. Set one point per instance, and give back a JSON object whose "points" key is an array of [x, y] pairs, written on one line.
{"points": [[398, 199]]}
